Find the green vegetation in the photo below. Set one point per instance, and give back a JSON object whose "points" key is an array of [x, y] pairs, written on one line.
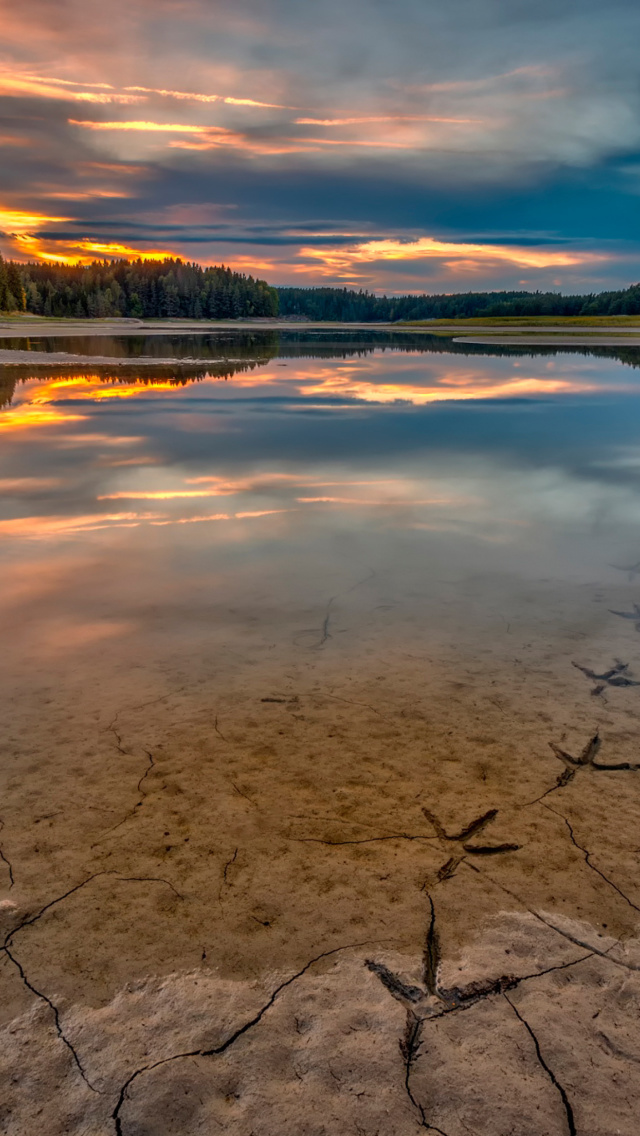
{"points": [[146, 289], [12, 296], [344, 304], [532, 321], [176, 289]]}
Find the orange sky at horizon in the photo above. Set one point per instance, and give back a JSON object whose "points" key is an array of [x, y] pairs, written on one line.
{"points": [[409, 119], [348, 261]]}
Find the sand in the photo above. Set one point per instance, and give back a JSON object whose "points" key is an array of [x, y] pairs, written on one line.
{"points": [[507, 334], [322, 872]]}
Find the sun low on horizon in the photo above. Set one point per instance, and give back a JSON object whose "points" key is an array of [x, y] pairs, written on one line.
{"points": [[398, 148]]}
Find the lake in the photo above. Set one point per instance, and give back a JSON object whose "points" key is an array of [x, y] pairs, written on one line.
{"points": [[284, 612]]}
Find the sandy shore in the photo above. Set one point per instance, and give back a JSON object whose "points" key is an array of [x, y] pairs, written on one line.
{"points": [[525, 334], [317, 875], [168, 327]]}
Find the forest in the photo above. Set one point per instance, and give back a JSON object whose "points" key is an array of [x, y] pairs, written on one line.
{"points": [[146, 289], [346, 304], [177, 289]]}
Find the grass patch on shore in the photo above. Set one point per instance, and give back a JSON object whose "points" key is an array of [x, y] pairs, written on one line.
{"points": [[527, 321]]}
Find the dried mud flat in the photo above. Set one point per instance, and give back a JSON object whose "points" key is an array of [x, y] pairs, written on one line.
{"points": [[352, 870]]}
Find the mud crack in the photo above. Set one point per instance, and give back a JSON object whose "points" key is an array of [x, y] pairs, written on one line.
{"points": [[150, 766], [362, 840], [222, 1048], [323, 632], [224, 880], [29, 921], [56, 1018], [548, 1070], [594, 950], [410, 1048], [5, 860], [587, 859]]}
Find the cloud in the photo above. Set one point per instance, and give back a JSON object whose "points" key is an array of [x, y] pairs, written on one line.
{"points": [[191, 96], [18, 221], [383, 118], [460, 252], [15, 85], [147, 127], [467, 124]]}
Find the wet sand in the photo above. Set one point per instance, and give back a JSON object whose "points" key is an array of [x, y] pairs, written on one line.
{"points": [[328, 868]]}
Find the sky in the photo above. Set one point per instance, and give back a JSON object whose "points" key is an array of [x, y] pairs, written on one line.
{"points": [[405, 146]]}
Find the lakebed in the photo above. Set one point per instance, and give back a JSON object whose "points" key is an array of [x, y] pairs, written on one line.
{"points": [[321, 799]]}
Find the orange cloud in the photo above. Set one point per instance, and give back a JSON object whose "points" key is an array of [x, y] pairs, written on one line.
{"points": [[81, 195], [378, 501], [13, 140], [87, 250], [203, 137], [427, 248], [162, 494], [221, 517], [15, 221], [39, 527], [191, 96], [160, 127], [241, 142], [14, 84], [382, 118], [13, 485], [375, 144]]}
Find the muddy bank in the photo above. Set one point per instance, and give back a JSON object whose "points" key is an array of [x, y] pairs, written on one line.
{"points": [[321, 867]]}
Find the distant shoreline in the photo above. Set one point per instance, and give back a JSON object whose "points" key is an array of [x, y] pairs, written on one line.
{"points": [[493, 332]]}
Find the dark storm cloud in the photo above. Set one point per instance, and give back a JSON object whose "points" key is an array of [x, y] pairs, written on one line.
{"points": [[281, 130]]}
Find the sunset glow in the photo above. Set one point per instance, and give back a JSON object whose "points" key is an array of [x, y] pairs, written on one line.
{"points": [[141, 142]]}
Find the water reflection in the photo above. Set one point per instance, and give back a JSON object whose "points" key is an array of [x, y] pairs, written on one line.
{"points": [[259, 346], [425, 462]]}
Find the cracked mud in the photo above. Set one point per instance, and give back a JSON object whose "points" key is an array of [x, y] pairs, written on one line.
{"points": [[333, 884]]}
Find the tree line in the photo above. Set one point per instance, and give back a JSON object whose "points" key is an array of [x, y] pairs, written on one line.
{"points": [[346, 304], [143, 289], [177, 289]]}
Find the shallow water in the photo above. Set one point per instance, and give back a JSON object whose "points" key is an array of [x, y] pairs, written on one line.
{"points": [[301, 465], [265, 617]]}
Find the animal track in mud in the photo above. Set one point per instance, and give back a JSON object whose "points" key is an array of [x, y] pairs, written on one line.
{"points": [[461, 840], [431, 1001], [633, 570], [617, 675], [585, 759], [634, 615]]}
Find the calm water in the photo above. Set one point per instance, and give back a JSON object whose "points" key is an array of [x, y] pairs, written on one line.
{"points": [[295, 475]]}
